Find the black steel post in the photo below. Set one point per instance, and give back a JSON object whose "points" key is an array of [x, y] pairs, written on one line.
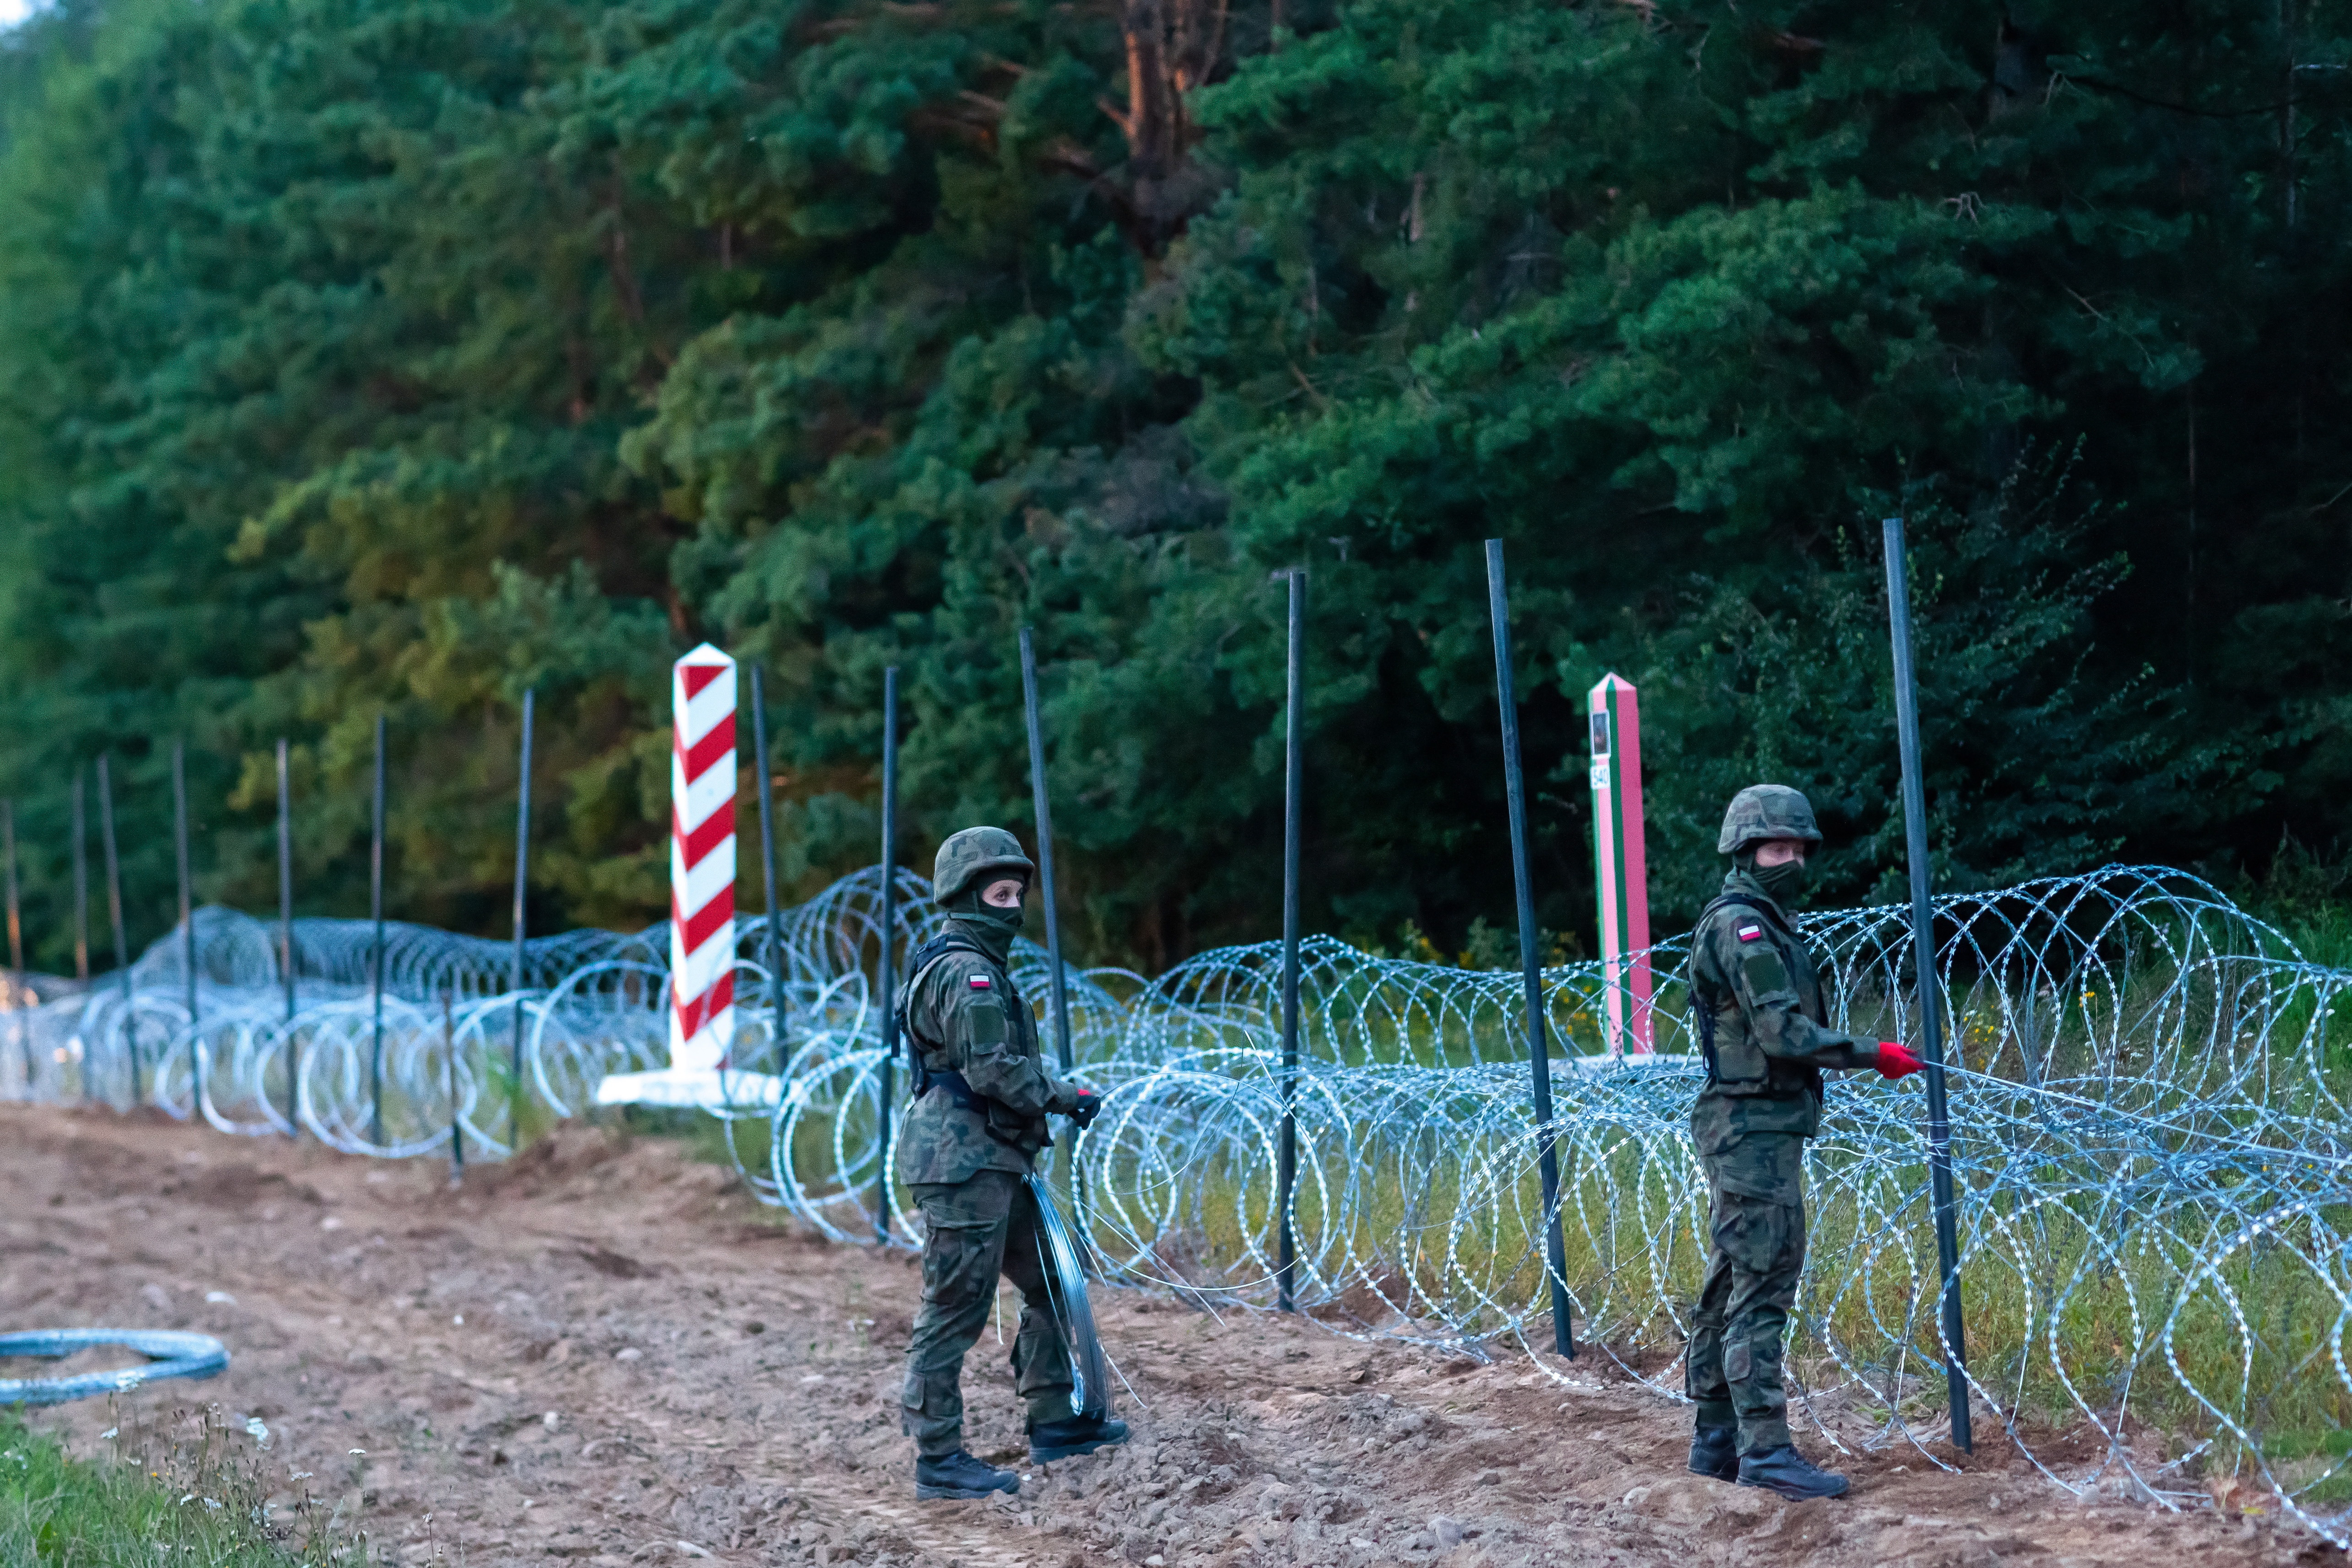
{"points": [[885, 980], [1061, 996], [457, 1128], [114, 919], [80, 886], [1530, 965], [1293, 775], [16, 987], [286, 930], [1060, 990], [187, 918], [775, 933], [522, 880], [16, 910], [1923, 951], [81, 912], [376, 955]]}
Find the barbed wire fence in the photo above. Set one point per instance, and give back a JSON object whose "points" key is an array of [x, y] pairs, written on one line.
{"points": [[2148, 1115]]}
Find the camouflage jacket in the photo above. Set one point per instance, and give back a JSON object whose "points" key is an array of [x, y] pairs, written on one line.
{"points": [[1751, 971], [963, 1014]]}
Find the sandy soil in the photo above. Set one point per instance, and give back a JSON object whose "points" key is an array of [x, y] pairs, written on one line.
{"points": [[601, 1353]]}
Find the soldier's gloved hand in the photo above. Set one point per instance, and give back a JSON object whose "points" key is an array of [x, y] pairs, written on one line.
{"points": [[1897, 1061], [1090, 1106]]}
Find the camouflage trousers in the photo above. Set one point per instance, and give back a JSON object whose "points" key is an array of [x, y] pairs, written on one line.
{"points": [[1732, 1367], [975, 1231]]}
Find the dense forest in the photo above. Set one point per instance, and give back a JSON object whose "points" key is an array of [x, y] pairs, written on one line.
{"points": [[394, 356]]}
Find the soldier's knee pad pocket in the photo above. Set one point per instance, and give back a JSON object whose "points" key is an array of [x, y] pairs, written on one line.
{"points": [[929, 1396], [1738, 1362]]}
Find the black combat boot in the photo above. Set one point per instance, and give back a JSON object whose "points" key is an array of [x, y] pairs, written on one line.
{"points": [[1790, 1473], [960, 1475], [1715, 1453], [1078, 1434]]}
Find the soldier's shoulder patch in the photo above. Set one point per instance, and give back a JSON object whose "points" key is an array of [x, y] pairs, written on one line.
{"points": [[1750, 933], [1765, 976], [979, 982]]}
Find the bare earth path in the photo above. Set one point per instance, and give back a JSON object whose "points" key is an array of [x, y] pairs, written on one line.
{"points": [[599, 1354]]}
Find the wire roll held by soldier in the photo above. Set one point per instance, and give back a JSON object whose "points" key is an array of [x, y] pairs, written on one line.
{"points": [[982, 1095], [1766, 1042]]}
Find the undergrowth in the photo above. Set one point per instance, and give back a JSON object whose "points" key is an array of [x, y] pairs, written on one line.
{"points": [[190, 1489]]}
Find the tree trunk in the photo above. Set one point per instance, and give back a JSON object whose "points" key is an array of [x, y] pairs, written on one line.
{"points": [[1173, 47]]}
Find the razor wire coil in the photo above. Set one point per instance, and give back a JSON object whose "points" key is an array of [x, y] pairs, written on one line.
{"points": [[2148, 1136]]}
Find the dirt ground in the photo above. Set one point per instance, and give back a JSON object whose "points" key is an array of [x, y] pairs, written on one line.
{"points": [[600, 1352]]}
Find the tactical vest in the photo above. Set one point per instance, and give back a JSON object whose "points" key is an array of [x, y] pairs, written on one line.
{"points": [[932, 1062], [1741, 1068]]}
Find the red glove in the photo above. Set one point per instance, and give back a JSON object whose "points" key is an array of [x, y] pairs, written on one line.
{"points": [[1895, 1061]]}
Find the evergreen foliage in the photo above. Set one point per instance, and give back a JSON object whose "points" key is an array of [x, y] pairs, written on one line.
{"points": [[364, 355]]}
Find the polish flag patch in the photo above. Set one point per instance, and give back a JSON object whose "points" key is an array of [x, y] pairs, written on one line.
{"points": [[1751, 933], [980, 983]]}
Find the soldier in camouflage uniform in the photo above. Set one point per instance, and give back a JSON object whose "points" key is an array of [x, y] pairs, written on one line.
{"points": [[1759, 1002], [982, 1096]]}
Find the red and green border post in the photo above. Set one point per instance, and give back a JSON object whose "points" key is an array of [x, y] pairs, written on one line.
{"points": [[1622, 869]]}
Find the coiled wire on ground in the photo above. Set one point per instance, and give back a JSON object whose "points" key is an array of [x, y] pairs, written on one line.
{"points": [[170, 1352], [2148, 1136]]}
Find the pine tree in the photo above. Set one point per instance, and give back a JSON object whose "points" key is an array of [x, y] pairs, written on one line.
{"points": [[378, 355]]}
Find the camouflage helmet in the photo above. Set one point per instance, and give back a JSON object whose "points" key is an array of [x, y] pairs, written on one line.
{"points": [[1766, 811], [968, 857]]}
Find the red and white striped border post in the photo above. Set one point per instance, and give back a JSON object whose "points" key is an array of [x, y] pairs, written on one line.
{"points": [[1624, 872], [702, 860]]}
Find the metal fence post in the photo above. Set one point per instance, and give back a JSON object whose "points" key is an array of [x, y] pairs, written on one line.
{"points": [[521, 882], [114, 919], [80, 888], [188, 918], [80, 828], [886, 977], [1530, 965], [376, 953], [775, 935], [1923, 950], [1285, 1183], [1060, 989], [457, 1126], [15, 916], [286, 933], [16, 987]]}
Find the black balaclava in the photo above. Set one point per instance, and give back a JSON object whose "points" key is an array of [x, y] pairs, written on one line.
{"points": [[994, 928], [1784, 884]]}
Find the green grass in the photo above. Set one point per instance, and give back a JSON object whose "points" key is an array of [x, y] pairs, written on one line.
{"points": [[528, 1117], [706, 1137], [2066, 1301], [2101, 1273], [191, 1492]]}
